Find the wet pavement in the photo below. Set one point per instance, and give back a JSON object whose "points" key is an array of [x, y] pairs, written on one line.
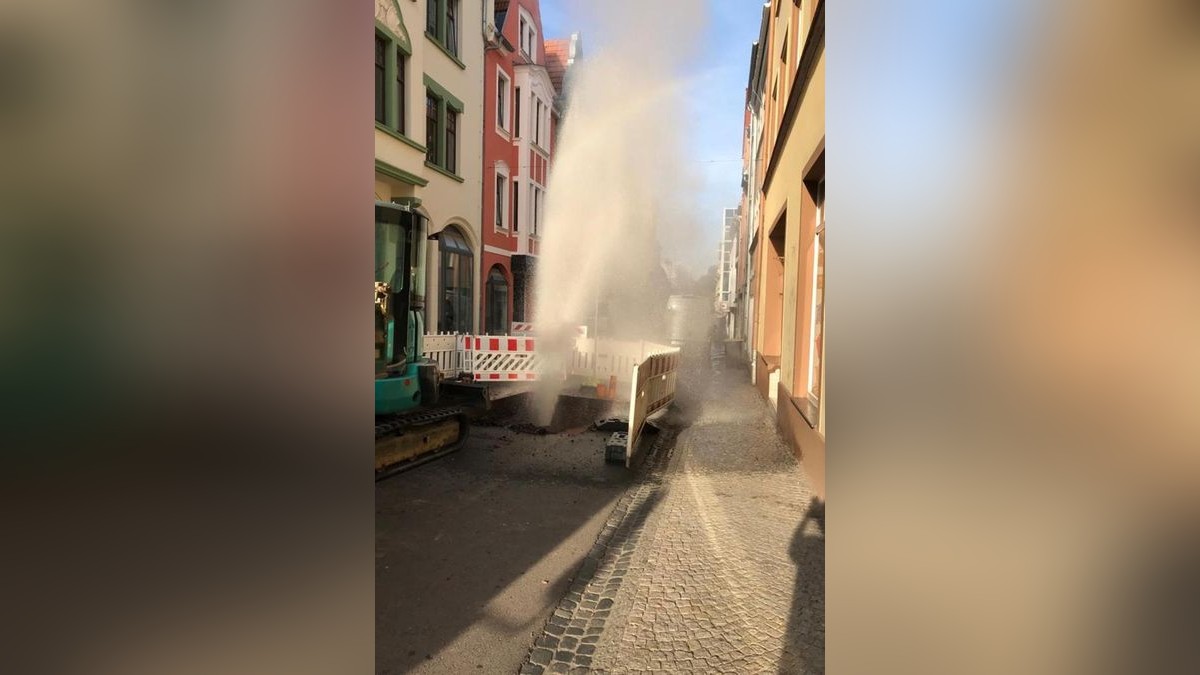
{"points": [[709, 564]]}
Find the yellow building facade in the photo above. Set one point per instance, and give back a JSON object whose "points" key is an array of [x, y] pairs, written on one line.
{"points": [[787, 246]]}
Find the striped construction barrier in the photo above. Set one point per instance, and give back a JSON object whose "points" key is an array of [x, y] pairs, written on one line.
{"points": [[508, 358], [526, 328], [504, 359]]}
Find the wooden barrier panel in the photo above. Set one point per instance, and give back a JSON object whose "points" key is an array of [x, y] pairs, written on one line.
{"points": [[653, 389]]}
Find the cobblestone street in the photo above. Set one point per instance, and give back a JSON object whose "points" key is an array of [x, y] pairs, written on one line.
{"points": [[710, 563]]}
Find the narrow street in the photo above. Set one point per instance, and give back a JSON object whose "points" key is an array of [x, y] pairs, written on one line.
{"points": [[708, 565], [528, 553]]}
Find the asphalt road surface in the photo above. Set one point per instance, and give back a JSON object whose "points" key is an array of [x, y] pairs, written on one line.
{"points": [[474, 550]]}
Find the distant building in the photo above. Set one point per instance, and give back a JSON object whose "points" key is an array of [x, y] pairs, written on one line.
{"points": [[784, 204], [521, 110], [727, 277]]}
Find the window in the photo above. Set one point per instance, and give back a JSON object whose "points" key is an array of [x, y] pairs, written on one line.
{"points": [[380, 79], [528, 37], [535, 209], [442, 113], [432, 131], [502, 84], [497, 302], [516, 214], [816, 352], [456, 280], [451, 141], [451, 37], [401, 98], [537, 120], [441, 23], [517, 113], [501, 201], [391, 98]]}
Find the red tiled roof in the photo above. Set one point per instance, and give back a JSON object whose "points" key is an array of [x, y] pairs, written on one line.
{"points": [[556, 61]]}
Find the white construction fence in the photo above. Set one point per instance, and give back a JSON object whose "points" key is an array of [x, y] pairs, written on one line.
{"points": [[647, 371], [445, 349]]}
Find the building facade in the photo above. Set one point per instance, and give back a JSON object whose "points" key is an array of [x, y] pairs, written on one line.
{"points": [[521, 115], [784, 204], [727, 273], [429, 63]]}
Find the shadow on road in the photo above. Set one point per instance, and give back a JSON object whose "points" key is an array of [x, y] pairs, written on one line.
{"points": [[804, 642], [471, 549]]}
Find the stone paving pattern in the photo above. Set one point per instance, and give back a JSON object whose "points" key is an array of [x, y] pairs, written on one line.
{"points": [[710, 564]]}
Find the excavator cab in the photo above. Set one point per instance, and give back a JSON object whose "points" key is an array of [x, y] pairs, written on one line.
{"points": [[397, 334], [408, 430]]}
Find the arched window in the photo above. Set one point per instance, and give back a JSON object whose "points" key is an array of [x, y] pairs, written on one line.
{"points": [[456, 277], [497, 302]]}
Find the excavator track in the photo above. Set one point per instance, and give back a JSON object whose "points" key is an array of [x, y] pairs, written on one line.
{"points": [[408, 440]]}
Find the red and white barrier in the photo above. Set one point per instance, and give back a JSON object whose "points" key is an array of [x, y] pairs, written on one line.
{"points": [[526, 328], [504, 359]]}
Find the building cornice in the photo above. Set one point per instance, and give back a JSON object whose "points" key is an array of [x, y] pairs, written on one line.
{"points": [[399, 174]]}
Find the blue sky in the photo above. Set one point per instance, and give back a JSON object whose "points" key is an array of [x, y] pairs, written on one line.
{"points": [[716, 100]]}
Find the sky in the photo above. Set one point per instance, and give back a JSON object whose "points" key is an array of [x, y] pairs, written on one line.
{"points": [[716, 95]]}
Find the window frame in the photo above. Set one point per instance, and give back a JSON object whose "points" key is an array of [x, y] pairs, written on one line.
{"points": [[516, 205], [517, 113], [395, 83], [381, 78], [528, 36], [433, 126], [532, 209], [537, 120], [446, 26], [454, 244], [816, 343], [442, 129], [450, 36], [536, 200], [491, 325], [450, 157], [500, 208], [503, 101], [401, 80]]}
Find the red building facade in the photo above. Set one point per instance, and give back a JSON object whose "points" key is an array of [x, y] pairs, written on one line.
{"points": [[522, 104]]}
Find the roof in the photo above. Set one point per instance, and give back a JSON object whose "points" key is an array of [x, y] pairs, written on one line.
{"points": [[558, 52]]}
